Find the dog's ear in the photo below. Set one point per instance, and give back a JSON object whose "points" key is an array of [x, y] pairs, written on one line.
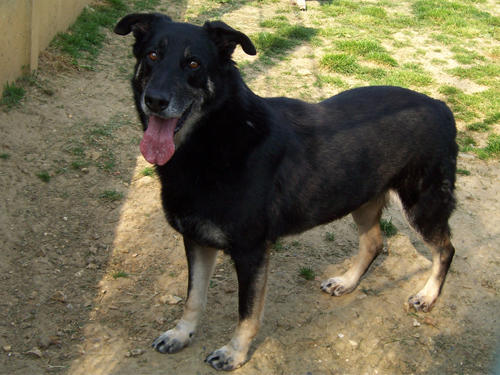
{"points": [[226, 38], [139, 23]]}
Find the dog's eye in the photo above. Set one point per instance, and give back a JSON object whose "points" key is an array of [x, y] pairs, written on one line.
{"points": [[193, 64], [153, 56]]}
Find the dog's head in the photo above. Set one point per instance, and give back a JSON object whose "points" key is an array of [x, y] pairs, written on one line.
{"points": [[176, 75]]}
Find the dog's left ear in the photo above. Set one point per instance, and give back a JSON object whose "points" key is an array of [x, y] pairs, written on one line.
{"points": [[226, 38]]}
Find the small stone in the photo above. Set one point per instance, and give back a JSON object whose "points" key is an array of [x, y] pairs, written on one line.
{"points": [[7, 348], [59, 296], [170, 299], [340, 335], [416, 323], [35, 352], [353, 343], [160, 320]]}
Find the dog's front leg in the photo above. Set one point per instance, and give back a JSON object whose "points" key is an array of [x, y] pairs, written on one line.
{"points": [[201, 262], [251, 268]]}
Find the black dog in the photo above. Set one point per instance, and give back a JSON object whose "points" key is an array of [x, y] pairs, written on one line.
{"points": [[239, 171]]}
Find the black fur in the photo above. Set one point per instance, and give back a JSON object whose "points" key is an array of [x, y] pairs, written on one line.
{"points": [[260, 168]]}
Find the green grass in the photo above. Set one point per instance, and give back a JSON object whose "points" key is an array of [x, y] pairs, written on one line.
{"points": [[463, 172], [4, 156], [388, 228], [340, 63], [148, 171], [12, 95], [492, 148], [329, 236], [119, 274], [307, 273], [369, 49], [111, 195], [86, 36], [44, 176]]}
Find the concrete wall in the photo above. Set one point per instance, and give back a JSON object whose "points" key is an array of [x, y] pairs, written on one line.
{"points": [[26, 29]]}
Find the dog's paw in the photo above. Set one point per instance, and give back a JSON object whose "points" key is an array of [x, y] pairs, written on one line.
{"points": [[172, 341], [420, 302], [226, 359], [337, 286]]}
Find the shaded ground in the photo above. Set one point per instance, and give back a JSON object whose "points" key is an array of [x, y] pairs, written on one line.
{"points": [[87, 259]]}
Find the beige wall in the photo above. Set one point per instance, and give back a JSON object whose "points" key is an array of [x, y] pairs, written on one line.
{"points": [[27, 27]]}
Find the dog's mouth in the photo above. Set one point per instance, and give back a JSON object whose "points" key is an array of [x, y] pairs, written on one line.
{"points": [[157, 145]]}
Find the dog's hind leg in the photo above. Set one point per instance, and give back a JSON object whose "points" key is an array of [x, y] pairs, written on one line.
{"points": [[367, 218], [201, 262], [428, 211], [252, 269]]}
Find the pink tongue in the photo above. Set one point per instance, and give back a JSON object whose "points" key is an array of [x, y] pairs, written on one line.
{"points": [[157, 145]]}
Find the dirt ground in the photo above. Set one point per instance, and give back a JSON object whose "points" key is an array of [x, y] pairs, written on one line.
{"points": [[88, 263]]}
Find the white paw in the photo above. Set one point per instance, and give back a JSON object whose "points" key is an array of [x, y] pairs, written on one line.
{"points": [[172, 341], [337, 286], [226, 358]]}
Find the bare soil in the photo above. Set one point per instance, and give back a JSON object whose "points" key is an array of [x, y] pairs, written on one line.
{"points": [[85, 275]]}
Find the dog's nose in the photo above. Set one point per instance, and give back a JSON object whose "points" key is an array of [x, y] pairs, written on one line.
{"points": [[156, 103]]}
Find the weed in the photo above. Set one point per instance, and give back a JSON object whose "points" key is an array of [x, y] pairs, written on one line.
{"points": [[148, 171], [119, 274], [465, 142], [307, 273], [329, 236], [111, 195], [44, 176], [79, 164], [279, 246], [492, 148], [388, 228], [340, 63], [12, 95], [4, 156], [463, 172]]}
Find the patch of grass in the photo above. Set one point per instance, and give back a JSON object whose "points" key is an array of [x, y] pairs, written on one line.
{"points": [[44, 176], [4, 156], [279, 246], [86, 36], [329, 236], [340, 63], [492, 148], [339, 7], [455, 18], [79, 164], [148, 171], [457, 101], [465, 142], [307, 273], [482, 74], [465, 56], [111, 195], [118, 274], [463, 172], [388, 228], [286, 37], [485, 125], [374, 11], [12, 95], [409, 75], [322, 79]]}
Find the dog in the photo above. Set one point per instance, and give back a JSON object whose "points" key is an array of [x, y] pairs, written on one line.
{"points": [[239, 171]]}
